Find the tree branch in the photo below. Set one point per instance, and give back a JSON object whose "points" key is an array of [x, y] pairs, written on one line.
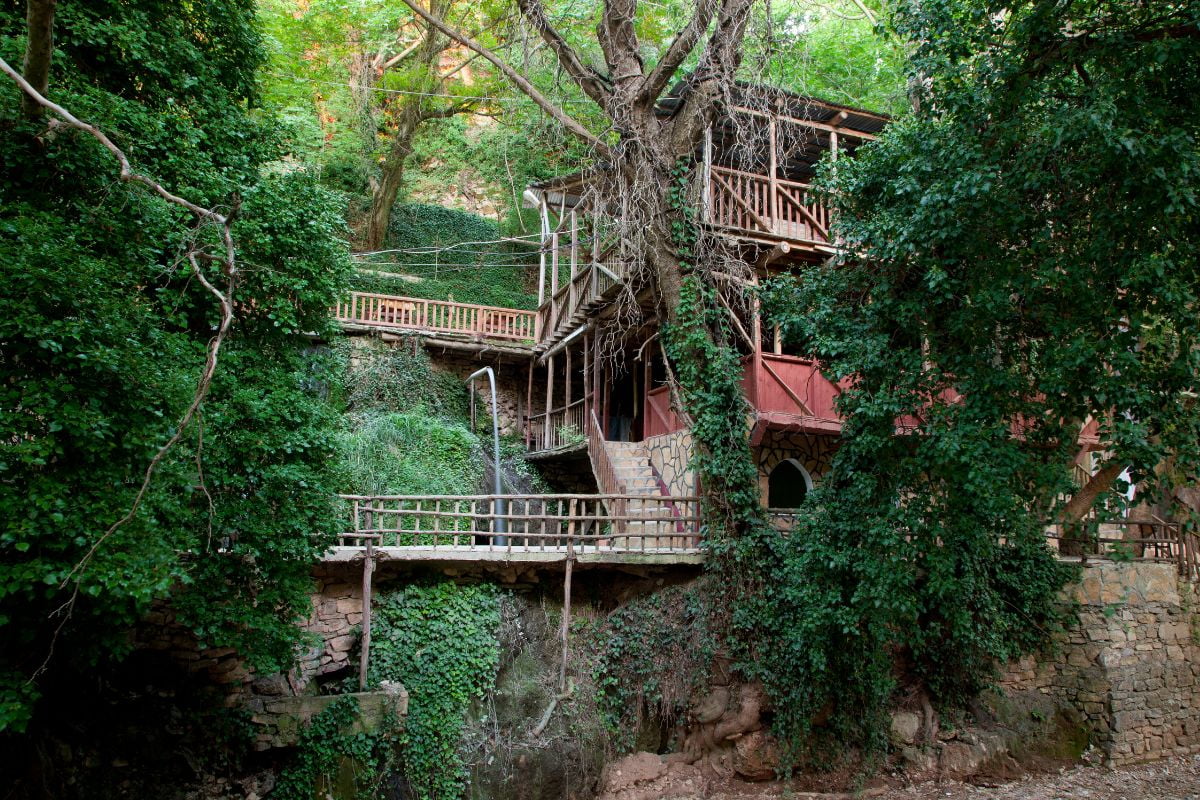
{"points": [[586, 77], [531, 91], [1083, 500], [683, 44], [39, 50], [619, 42]]}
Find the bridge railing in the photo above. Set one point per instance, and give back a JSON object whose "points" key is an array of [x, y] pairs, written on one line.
{"points": [[414, 313], [581, 523]]}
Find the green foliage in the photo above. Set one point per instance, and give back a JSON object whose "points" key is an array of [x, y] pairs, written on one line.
{"points": [[653, 655], [379, 377], [831, 51], [710, 375], [1024, 256], [105, 333], [439, 641], [326, 743], [413, 453], [469, 272]]}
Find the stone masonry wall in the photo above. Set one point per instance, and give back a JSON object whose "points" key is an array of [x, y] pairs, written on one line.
{"points": [[671, 456], [813, 452], [336, 615], [1131, 666]]}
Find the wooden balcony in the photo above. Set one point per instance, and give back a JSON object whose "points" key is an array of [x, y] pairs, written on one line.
{"points": [[615, 529], [559, 429], [437, 316], [790, 393], [755, 206]]}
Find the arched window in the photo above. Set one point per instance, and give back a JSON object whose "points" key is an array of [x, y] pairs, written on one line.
{"points": [[788, 484]]}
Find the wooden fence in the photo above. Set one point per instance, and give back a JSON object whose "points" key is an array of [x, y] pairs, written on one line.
{"points": [[580, 523], [558, 427], [390, 311], [1132, 540], [747, 201]]}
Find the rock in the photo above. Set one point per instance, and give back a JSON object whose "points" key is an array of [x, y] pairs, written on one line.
{"points": [[756, 756], [906, 726], [712, 706], [632, 770], [271, 685]]}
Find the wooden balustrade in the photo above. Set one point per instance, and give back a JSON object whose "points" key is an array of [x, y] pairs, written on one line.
{"points": [[559, 427], [758, 204], [791, 386], [564, 308], [571, 523], [389, 311], [603, 468], [1131, 539]]}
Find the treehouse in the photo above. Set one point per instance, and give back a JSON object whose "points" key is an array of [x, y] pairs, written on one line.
{"points": [[598, 372]]}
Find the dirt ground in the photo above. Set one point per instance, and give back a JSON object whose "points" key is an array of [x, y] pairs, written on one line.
{"points": [[1171, 779]]}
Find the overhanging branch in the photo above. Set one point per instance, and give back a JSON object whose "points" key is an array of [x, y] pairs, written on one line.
{"points": [[531, 91]]}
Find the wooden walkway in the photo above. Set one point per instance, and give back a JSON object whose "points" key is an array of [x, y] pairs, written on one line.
{"points": [[587, 528], [438, 316]]}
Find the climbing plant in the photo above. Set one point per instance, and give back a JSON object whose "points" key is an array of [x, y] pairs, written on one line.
{"points": [[653, 656], [446, 254], [328, 745], [440, 641]]}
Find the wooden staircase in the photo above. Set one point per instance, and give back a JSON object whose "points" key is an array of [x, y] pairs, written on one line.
{"points": [[651, 520]]}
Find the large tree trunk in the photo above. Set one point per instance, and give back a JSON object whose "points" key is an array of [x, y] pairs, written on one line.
{"points": [[1074, 541], [39, 49], [387, 188]]}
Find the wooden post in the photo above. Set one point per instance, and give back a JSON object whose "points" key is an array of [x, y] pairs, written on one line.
{"points": [[777, 341], [587, 381], [566, 615], [553, 265], [567, 383], [368, 568], [549, 399], [529, 406], [544, 215], [773, 162], [756, 359]]}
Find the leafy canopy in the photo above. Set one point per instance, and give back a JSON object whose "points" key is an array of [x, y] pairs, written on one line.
{"points": [[1023, 259], [104, 335]]}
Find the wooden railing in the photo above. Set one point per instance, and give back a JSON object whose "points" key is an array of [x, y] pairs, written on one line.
{"points": [[790, 385], [590, 283], [660, 416], [559, 427], [577, 523], [778, 208], [1132, 540], [389, 311], [602, 467]]}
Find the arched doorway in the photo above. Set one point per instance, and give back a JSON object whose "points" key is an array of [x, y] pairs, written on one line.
{"points": [[788, 484]]}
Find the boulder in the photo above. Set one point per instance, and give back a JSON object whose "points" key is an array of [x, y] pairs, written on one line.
{"points": [[756, 756]]}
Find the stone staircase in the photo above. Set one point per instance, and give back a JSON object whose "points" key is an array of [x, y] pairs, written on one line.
{"points": [[654, 524]]}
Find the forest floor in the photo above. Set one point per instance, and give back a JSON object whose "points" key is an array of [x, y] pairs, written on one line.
{"points": [[1170, 779]]}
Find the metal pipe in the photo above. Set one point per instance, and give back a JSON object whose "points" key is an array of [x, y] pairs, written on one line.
{"points": [[501, 522]]}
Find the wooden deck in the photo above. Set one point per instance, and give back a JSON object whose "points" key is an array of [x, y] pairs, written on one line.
{"points": [[438, 316], [750, 205], [600, 529]]}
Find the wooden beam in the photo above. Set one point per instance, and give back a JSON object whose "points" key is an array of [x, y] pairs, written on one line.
{"points": [[365, 641]]}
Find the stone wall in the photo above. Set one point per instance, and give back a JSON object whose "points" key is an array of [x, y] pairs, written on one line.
{"points": [[336, 615], [812, 452], [671, 456], [1131, 666], [511, 384]]}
